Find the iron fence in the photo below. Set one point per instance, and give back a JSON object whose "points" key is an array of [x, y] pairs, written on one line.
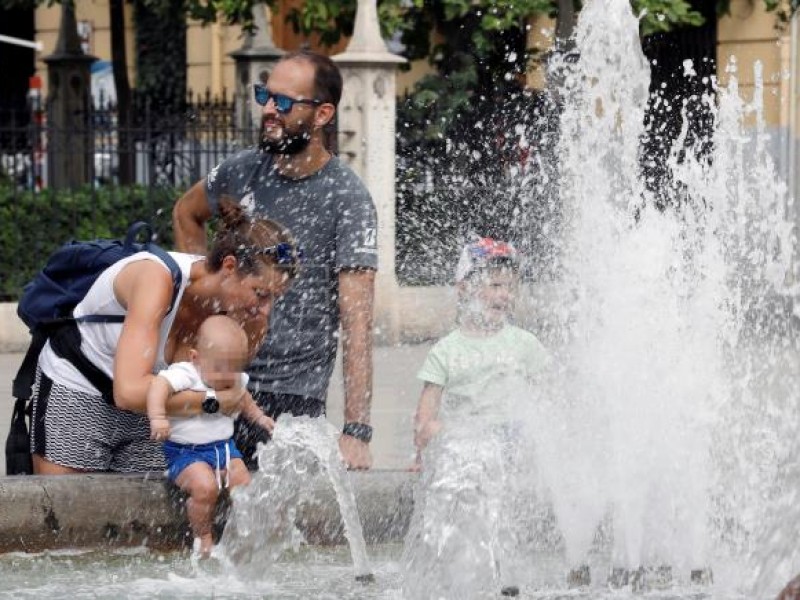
{"points": [[167, 145]]}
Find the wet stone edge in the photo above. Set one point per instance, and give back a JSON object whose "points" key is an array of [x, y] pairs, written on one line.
{"points": [[110, 510]]}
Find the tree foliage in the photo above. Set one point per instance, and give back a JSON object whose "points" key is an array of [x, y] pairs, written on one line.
{"points": [[476, 46], [330, 19], [660, 16]]}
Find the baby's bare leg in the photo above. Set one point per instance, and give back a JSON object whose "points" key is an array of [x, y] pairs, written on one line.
{"points": [[239, 475], [199, 482]]}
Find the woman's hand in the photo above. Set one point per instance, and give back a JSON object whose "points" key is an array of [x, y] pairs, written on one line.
{"points": [[231, 401]]}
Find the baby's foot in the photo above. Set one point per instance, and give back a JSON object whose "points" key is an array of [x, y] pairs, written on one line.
{"points": [[202, 546]]}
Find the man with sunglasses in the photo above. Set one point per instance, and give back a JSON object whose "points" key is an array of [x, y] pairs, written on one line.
{"points": [[293, 177]]}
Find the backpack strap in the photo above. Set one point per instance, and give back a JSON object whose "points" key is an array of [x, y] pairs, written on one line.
{"points": [[65, 340], [23, 381], [130, 241], [177, 279], [67, 344], [174, 269]]}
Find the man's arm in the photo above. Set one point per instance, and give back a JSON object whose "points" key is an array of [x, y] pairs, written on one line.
{"points": [[189, 217], [356, 293], [791, 591]]}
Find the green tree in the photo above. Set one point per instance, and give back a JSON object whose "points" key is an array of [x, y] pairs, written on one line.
{"points": [[482, 45]]}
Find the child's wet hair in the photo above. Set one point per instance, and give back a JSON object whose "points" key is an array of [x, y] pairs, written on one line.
{"points": [[499, 263]]}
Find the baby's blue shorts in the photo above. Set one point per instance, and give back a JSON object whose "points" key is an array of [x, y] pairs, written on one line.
{"points": [[180, 456]]}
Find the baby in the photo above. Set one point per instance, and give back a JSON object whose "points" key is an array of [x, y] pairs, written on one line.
{"points": [[199, 449]]}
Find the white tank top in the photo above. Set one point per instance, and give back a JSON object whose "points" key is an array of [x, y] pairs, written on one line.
{"points": [[100, 340]]}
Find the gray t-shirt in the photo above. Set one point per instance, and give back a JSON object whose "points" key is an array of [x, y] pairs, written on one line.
{"points": [[332, 216]]}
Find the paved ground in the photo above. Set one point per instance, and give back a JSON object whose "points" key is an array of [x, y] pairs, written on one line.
{"points": [[396, 391]]}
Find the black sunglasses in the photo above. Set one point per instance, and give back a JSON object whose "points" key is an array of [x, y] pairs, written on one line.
{"points": [[283, 104], [287, 256]]}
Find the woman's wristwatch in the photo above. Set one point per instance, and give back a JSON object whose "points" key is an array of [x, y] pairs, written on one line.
{"points": [[210, 404], [360, 431]]}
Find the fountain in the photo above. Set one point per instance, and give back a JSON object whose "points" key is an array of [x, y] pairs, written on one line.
{"points": [[660, 440], [302, 449], [674, 374], [659, 451]]}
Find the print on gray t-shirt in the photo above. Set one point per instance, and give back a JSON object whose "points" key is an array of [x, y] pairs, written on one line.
{"points": [[332, 217]]}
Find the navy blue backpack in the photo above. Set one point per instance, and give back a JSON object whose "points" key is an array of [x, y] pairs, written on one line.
{"points": [[46, 308]]}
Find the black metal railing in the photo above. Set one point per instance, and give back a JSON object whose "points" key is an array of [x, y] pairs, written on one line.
{"points": [[169, 145]]}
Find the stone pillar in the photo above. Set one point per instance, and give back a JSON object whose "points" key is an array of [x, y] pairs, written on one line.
{"points": [[366, 124], [70, 145], [254, 61]]}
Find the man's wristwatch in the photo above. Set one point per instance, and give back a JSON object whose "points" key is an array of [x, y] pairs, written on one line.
{"points": [[211, 404], [360, 431]]}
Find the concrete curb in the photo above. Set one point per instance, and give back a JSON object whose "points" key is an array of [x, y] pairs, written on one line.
{"points": [[38, 513]]}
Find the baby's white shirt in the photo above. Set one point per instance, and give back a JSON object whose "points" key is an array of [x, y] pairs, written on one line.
{"points": [[203, 428]]}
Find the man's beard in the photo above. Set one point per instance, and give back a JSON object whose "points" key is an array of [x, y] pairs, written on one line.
{"points": [[291, 142]]}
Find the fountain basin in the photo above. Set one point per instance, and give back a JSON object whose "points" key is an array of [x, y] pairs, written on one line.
{"points": [[109, 510]]}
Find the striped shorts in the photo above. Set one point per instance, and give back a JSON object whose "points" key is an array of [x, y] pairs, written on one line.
{"points": [[76, 429]]}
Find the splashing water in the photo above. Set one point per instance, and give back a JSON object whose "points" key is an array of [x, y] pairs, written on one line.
{"points": [[261, 526], [462, 539], [663, 435], [672, 390], [641, 374]]}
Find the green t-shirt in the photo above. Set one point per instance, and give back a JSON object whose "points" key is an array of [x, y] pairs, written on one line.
{"points": [[482, 376]]}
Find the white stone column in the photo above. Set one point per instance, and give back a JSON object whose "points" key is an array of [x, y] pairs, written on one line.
{"points": [[254, 62], [366, 123]]}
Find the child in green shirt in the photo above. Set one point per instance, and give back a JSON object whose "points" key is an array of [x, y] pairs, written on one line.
{"points": [[484, 353], [472, 379]]}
